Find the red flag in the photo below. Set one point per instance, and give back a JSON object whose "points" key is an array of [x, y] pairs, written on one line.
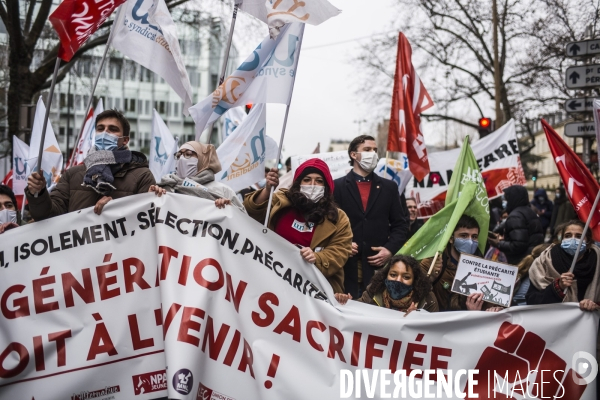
{"points": [[76, 20], [8, 179], [409, 99], [580, 185]]}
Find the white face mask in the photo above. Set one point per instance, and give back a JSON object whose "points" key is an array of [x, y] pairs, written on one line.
{"points": [[8, 216], [187, 167], [313, 192], [368, 160]]}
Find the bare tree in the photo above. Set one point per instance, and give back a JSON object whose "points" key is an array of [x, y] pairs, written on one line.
{"points": [[453, 41]]}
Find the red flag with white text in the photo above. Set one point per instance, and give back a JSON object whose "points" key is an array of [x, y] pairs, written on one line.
{"points": [[76, 20], [580, 185], [409, 100]]}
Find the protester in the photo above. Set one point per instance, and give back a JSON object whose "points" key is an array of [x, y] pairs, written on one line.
{"points": [[465, 239], [306, 215], [415, 223], [379, 223], [8, 209], [543, 207], [551, 281], [288, 164], [522, 229], [400, 286], [197, 165], [110, 171], [563, 210], [494, 253], [523, 282]]}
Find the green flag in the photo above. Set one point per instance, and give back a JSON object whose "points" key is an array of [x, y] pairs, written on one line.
{"points": [[466, 195]]}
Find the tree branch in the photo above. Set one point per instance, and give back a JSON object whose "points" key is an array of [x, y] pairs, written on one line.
{"points": [[441, 117]]}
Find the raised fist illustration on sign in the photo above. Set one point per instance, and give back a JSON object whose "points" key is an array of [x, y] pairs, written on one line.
{"points": [[520, 366]]}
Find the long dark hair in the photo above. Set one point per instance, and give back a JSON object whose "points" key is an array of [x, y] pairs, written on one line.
{"points": [[421, 284], [313, 212]]}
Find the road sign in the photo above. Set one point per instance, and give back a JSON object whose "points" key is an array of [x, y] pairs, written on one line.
{"points": [[583, 76], [580, 129], [583, 48], [580, 104]]}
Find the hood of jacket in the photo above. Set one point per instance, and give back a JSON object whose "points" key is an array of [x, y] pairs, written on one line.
{"points": [[516, 196]]}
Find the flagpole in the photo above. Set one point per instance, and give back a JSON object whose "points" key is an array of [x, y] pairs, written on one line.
{"points": [[225, 59], [437, 253], [287, 111], [585, 229], [89, 103], [47, 116]]}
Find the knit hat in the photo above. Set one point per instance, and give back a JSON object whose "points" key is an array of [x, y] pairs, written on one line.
{"points": [[314, 165]]}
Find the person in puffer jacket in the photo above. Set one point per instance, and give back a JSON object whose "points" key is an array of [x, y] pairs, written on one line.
{"points": [[523, 228]]}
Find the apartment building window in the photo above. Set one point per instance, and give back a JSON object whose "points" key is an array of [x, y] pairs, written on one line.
{"points": [[131, 135], [175, 109], [115, 67], [160, 106], [118, 103], [130, 105], [109, 102], [78, 105], [147, 108]]}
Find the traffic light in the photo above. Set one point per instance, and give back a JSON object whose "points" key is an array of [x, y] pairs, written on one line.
{"points": [[534, 174], [248, 108], [485, 127]]}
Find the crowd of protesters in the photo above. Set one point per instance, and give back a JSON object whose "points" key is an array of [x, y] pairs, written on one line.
{"points": [[351, 229]]}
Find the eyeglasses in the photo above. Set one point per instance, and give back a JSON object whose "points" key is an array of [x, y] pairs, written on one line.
{"points": [[8, 205], [187, 154]]}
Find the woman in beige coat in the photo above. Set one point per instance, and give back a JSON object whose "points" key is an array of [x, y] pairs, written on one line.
{"points": [[306, 216]]}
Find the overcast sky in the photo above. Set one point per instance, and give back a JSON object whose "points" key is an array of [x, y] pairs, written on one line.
{"points": [[325, 103]]}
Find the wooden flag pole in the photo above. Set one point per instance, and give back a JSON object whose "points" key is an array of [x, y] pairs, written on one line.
{"points": [[585, 229], [287, 111], [437, 253], [225, 60], [47, 116], [89, 103]]}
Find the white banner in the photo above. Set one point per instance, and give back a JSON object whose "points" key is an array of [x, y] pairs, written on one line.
{"points": [[20, 155], [337, 161], [52, 158], [244, 152], [266, 76], [498, 159], [146, 33], [394, 170], [163, 147], [231, 120], [244, 317]]}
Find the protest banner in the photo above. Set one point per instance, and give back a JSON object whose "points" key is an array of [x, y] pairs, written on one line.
{"points": [[243, 316], [337, 161], [477, 275], [498, 159]]}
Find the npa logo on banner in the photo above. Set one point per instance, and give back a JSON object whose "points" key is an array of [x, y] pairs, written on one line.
{"points": [[150, 382], [498, 159]]}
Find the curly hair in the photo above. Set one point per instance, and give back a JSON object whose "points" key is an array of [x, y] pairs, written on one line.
{"points": [[313, 212], [421, 283]]}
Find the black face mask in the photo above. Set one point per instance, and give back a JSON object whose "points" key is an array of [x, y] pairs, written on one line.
{"points": [[397, 289]]}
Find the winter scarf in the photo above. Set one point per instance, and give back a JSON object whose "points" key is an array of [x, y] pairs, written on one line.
{"points": [[173, 183], [101, 165], [400, 305], [584, 270]]}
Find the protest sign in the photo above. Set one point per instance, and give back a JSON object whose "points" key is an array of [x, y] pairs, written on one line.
{"points": [[477, 275], [497, 156], [84, 310]]}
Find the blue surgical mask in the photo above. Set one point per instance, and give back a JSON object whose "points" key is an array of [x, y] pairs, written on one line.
{"points": [[570, 246], [105, 141], [467, 246], [397, 289], [504, 204]]}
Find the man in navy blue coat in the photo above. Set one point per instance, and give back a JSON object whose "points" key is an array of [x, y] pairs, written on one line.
{"points": [[377, 214]]}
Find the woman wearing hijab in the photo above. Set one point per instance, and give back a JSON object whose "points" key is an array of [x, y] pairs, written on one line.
{"points": [[306, 216], [197, 165], [401, 285], [551, 281]]}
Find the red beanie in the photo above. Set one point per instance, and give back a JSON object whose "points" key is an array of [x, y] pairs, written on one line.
{"points": [[318, 164]]}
